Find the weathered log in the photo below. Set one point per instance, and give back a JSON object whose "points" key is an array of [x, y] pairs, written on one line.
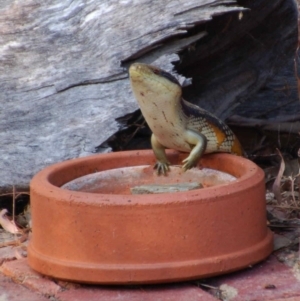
{"points": [[62, 84], [246, 65]]}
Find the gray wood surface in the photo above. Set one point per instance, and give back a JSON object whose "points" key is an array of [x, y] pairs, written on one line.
{"points": [[61, 82], [245, 66]]}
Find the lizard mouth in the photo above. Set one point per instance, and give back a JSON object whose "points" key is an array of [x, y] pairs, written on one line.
{"points": [[139, 69]]}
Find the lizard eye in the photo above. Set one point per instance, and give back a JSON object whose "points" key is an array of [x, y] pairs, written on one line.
{"points": [[156, 71], [170, 77], [166, 75]]}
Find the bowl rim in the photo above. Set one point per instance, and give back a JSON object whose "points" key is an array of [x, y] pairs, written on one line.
{"points": [[43, 181]]}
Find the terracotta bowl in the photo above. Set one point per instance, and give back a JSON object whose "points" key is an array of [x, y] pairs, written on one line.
{"points": [[107, 235]]}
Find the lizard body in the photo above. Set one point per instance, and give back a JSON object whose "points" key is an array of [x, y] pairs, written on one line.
{"points": [[176, 123]]}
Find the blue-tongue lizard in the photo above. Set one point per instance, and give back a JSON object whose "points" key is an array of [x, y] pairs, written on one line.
{"points": [[176, 123]]}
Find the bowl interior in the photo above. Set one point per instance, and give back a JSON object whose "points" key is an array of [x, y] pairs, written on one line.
{"points": [[122, 180]]}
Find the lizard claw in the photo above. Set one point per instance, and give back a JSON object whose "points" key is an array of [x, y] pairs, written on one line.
{"points": [[188, 164], [161, 167]]}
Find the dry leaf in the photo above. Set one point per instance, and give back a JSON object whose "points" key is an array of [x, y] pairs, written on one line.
{"points": [[7, 224]]}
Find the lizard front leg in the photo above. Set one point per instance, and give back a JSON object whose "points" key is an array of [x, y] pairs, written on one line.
{"points": [[162, 164], [199, 142]]}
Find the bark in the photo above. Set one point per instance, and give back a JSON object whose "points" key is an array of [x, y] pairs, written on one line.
{"points": [[246, 65], [61, 83]]}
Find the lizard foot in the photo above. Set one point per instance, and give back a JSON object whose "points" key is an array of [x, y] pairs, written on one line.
{"points": [[162, 167], [188, 164]]}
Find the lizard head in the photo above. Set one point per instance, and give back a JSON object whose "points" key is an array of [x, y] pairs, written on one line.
{"points": [[149, 81]]}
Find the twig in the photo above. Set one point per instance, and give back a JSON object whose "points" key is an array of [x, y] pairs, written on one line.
{"points": [[276, 186], [15, 242], [209, 286], [292, 179], [285, 207], [17, 195], [296, 70], [13, 207]]}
